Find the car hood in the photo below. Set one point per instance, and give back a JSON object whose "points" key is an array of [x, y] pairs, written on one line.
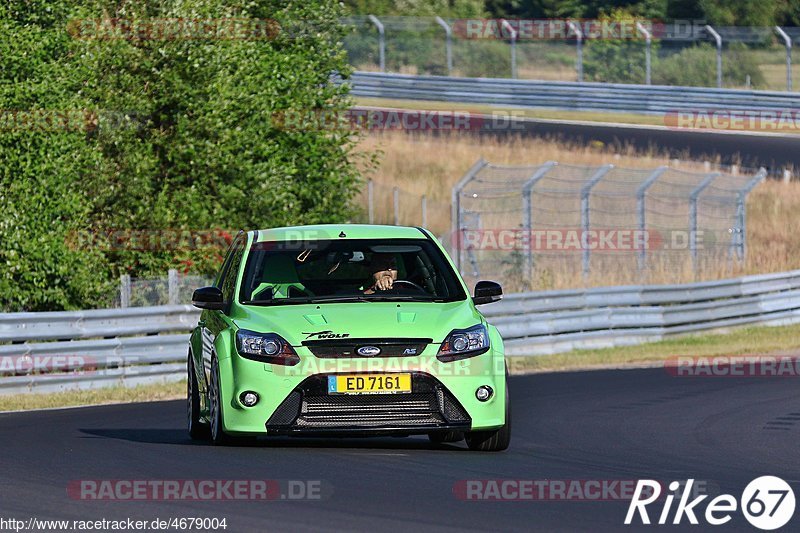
{"points": [[358, 320]]}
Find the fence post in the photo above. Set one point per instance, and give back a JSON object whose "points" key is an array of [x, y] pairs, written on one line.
{"points": [[381, 41], [513, 33], [648, 39], [455, 206], [424, 207], [371, 200], [718, 40], [396, 205], [693, 216], [172, 286], [125, 290], [788, 42], [578, 48], [448, 43], [527, 211], [741, 211], [640, 212], [585, 190]]}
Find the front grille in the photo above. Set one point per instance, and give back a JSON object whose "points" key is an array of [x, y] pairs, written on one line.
{"points": [[428, 405], [349, 347]]}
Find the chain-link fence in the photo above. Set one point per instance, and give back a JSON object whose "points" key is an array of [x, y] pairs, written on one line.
{"points": [[174, 289], [518, 223], [686, 53]]}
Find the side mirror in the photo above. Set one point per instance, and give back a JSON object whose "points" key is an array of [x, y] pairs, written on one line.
{"points": [[208, 298], [487, 292]]}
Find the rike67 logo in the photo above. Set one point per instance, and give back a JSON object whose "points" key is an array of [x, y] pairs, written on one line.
{"points": [[767, 503]]}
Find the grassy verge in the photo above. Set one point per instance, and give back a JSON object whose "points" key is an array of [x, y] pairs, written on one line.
{"points": [[552, 114], [142, 393], [741, 341]]}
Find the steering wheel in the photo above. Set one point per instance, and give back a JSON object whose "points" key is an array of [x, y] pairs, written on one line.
{"points": [[411, 283]]}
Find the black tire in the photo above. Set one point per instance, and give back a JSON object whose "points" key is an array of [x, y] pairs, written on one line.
{"points": [[441, 437], [218, 435], [198, 430], [495, 440]]}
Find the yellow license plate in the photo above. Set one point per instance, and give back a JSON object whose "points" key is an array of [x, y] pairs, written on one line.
{"points": [[369, 384]]}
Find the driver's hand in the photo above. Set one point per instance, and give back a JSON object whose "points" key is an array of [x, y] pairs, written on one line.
{"points": [[385, 279]]}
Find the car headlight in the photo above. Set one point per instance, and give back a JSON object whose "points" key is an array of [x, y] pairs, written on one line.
{"points": [[464, 343], [265, 347]]}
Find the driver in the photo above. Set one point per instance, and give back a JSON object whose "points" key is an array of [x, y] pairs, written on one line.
{"points": [[384, 267]]}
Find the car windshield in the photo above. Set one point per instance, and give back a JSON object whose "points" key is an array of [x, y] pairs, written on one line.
{"points": [[348, 270]]}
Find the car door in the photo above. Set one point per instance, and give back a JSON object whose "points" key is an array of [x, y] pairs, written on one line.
{"points": [[214, 322]]}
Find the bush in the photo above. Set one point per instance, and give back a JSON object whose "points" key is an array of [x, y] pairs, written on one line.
{"points": [[191, 144], [697, 66]]}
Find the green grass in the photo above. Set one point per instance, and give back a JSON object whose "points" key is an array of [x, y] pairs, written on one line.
{"points": [[740, 341], [142, 393]]}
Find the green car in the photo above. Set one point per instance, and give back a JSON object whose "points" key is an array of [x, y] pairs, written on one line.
{"points": [[346, 330]]}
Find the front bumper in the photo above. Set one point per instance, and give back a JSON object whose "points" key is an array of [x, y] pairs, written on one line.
{"points": [[309, 409], [278, 388]]}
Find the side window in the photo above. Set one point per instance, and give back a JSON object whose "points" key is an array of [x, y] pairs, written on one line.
{"points": [[231, 271]]}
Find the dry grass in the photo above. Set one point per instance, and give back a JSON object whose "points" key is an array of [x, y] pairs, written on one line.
{"points": [[119, 394], [430, 165], [761, 340]]}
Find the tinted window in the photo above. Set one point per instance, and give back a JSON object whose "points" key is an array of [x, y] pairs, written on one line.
{"points": [[279, 272], [231, 270]]}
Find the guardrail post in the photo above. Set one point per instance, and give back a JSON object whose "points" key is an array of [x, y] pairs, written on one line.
{"points": [[424, 208], [125, 290], [455, 206], [578, 49], [513, 34], [527, 211], [741, 213], [172, 287], [648, 39], [788, 42], [448, 43], [693, 216], [396, 205], [371, 200], [381, 41], [640, 212], [718, 40], [585, 190]]}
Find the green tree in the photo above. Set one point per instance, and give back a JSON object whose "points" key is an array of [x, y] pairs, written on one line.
{"points": [[181, 136]]}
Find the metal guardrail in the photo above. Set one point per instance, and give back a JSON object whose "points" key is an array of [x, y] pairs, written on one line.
{"points": [[532, 323], [539, 323], [652, 99]]}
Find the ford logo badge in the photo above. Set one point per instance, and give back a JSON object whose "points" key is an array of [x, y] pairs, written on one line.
{"points": [[368, 351]]}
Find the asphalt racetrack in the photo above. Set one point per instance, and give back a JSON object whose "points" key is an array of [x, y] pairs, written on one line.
{"points": [[601, 425]]}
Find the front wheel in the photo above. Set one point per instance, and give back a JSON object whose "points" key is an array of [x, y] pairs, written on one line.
{"points": [[218, 435], [197, 429], [495, 440], [441, 437]]}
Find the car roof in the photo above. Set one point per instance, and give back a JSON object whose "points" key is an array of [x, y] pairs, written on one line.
{"points": [[334, 231]]}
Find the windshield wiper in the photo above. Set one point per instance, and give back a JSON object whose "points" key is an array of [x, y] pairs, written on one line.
{"points": [[341, 299]]}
